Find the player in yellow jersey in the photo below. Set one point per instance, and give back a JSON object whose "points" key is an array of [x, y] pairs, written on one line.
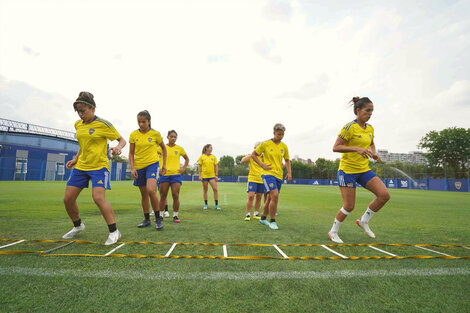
{"points": [[356, 142], [255, 186], [208, 170], [91, 163], [173, 177], [274, 151], [144, 162], [160, 156]]}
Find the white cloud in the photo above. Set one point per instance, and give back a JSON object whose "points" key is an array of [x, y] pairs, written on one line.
{"points": [[225, 72]]}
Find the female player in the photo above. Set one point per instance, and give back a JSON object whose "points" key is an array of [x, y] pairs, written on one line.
{"points": [[143, 159], [173, 175], [91, 162], [255, 186], [208, 170], [273, 150], [356, 143]]}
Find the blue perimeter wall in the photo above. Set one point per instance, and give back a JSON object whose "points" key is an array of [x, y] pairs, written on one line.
{"points": [[461, 185]]}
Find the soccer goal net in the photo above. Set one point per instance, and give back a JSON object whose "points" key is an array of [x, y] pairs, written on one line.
{"points": [[242, 179]]}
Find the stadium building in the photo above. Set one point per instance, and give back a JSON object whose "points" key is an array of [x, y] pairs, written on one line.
{"points": [[32, 152]]}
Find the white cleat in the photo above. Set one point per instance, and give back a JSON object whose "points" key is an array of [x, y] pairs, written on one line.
{"points": [[113, 238], [74, 231], [366, 228], [334, 237], [152, 213], [166, 214]]}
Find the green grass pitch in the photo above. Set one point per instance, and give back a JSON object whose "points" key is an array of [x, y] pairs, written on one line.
{"points": [[34, 210]]}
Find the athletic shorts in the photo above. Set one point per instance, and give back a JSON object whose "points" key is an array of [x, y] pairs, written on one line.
{"points": [[170, 179], [145, 173], [80, 179], [350, 180], [256, 187], [208, 179], [271, 183]]}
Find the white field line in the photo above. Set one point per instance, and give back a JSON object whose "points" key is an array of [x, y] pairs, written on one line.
{"points": [[432, 251], [149, 275], [12, 244], [171, 250], [59, 247], [333, 251], [281, 252], [110, 252], [466, 248], [375, 248], [224, 247]]}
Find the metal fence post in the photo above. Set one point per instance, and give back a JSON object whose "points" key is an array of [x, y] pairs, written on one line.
{"points": [[22, 168]]}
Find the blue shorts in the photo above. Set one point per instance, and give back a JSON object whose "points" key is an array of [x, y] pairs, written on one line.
{"points": [[271, 183], [80, 179], [145, 173], [350, 180], [256, 187], [170, 179], [208, 179]]}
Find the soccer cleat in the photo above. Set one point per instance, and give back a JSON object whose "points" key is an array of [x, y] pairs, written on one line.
{"points": [[273, 225], [152, 213], [256, 217], [159, 223], [166, 214], [74, 231], [247, 218], [205, 207], [366, 228], [264, 222], [113, 238], [334, 237], [176, 219], [217, 207], [144, 223]]}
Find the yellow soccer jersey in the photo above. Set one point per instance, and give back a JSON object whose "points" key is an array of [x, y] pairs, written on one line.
{"points": [[254, 175], [146, 145], [207, 165], [93, 141], [160, 154], [273, 155], [173, 155], [355, 136]]}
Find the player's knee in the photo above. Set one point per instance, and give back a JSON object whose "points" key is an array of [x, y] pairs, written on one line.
{"points": [[251, 197], [68, 200], [385, 196], [151, 191], [175, 195], [99, 199]]}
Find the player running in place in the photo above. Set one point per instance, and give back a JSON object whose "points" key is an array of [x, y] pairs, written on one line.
{"points": [[143, 159], [273, 150], [173, 177], [255, 186], [356, 142], [208, 170], [91, 163]]}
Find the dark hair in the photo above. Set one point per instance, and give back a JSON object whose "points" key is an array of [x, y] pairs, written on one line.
{"points": [[172, 131], [359, 103], [146, 115], [204, 149], [85, 98]]}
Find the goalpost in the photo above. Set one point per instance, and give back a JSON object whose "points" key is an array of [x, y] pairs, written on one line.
{"points": [[242, 179]]}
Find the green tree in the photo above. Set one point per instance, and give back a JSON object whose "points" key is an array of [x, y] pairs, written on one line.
{"points": [[226, 164], [450, 146], [238, 159]]}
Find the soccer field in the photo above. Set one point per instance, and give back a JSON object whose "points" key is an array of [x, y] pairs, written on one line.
{"points": [[34, 210]]}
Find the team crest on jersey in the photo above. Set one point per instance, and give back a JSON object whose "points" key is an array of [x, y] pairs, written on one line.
{"points": [[149, 139], [271, 185], [91, 131], [176, 152], [251, 187], [271, 150], [370, 136], [282, 150], [359, 136]]}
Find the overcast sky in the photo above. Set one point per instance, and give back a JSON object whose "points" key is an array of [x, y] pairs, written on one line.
{"points": [[224, 72]]}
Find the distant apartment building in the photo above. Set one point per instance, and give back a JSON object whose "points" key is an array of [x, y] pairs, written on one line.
{"points": [[305, 161], [415, 157]]}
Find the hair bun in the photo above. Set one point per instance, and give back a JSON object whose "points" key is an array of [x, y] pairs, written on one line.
{"points": [[355, 99]]}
